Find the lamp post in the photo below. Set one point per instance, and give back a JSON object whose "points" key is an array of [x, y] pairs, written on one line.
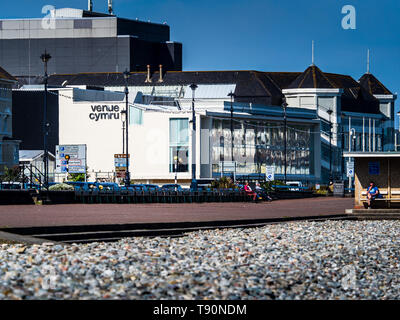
{"points": [[176, 166], [330, 144], [284, 106], [127, 175], [123, 136], [45, 58], [395, 133], [194, 182], [232, 95]]}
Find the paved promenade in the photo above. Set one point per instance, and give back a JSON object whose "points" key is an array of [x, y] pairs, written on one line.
{"points": [[90, 214]]}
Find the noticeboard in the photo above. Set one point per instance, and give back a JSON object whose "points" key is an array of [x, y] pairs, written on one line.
{"points": [[373, 168], [71, 158]]}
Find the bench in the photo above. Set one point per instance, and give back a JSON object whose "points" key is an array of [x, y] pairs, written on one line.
{"points": [[393, 197]]}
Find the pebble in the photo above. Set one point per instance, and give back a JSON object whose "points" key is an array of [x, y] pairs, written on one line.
{"points": [[298, 260]]}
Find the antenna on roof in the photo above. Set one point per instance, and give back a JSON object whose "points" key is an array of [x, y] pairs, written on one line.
{"points": [[110, 7], [90, 5], [368, 62], [312, 54]]}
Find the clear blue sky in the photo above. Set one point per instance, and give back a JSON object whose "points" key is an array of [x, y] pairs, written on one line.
{"points": [[265, 35]]}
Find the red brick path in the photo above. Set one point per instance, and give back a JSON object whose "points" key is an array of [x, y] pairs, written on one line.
{"points": [[81, 214]]}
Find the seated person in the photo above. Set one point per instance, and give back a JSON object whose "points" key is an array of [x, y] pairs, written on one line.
{"points": [[249, 191], [372, 193]]}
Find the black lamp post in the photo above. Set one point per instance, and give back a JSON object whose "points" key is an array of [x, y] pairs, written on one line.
{"points": [[45, 58], [194, 182], [232, 95], [284, 106], [127, 175], [330, 144], [123, 136]]}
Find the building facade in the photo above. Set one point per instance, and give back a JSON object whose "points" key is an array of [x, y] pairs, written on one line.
{"points": [[9, 147], [161, 146], [85, 41], [353, 115]]}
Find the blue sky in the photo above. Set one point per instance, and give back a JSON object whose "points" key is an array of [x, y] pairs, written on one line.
{"points": [[265, 35]]}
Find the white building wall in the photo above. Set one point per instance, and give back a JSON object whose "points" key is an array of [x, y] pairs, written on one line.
{"points": [[150, 145], [78, 125]]}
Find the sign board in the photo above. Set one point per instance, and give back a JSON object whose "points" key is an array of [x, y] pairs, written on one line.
{"points": [[373, 168], [120, 161], [270, 173], [338, 189], [71, 158], [350, 169], [227, 166]]}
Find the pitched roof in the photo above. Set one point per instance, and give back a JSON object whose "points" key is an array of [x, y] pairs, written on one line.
{"points": [[4, 75], [312, 77], [251, 86], [373, 85]]}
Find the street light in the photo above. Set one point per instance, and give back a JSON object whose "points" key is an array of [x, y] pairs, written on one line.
{"points": [[194, 182], [176, 158], [45, 58], [396, 133], [127, 175], [123, 136], [232, 96], [284, 106], [330, 144]]}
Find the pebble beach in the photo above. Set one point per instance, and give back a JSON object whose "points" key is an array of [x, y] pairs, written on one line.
{"points": [[297, 260]]}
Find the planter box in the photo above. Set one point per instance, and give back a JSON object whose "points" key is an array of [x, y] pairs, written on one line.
{"points": [[8, 197], [58, 197]]}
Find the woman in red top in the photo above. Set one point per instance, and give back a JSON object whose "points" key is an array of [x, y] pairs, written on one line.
{"points": [[249, 191]]}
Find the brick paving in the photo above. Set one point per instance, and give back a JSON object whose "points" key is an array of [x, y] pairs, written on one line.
{"points": [[92, 214]]}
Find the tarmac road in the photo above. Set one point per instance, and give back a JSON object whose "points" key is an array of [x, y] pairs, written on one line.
{"points": [[92, 214]]}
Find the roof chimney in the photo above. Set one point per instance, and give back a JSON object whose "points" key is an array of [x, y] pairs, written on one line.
{"points": [[90, 5], [161, 75], [148, 80], [110, 7]]}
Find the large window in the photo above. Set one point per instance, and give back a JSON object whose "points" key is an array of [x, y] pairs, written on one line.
{"points": [[257, 144], [178, 145]]}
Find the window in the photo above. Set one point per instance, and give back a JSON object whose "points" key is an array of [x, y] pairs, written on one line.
{"points": [[83, 24], [178, 145]]}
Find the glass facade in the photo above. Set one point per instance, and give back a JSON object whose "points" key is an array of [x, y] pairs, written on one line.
{"points": [[179, 145], [260, 143]]}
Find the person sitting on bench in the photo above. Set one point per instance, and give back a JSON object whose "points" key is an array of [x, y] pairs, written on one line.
{"points": [[249, 191], [372, 193]]}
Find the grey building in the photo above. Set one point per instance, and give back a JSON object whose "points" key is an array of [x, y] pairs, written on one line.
{"points": [[85, 41]]}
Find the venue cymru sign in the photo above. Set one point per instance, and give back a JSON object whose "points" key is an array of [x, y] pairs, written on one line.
{"points": [[104, 112]]}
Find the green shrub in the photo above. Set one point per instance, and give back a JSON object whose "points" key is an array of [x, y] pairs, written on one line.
{"points": [[224, 182], [61, 187]]}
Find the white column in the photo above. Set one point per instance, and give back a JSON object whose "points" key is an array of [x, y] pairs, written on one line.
{"points": [[374, 140], [349, 134], [369, 134], [363, 136]]}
